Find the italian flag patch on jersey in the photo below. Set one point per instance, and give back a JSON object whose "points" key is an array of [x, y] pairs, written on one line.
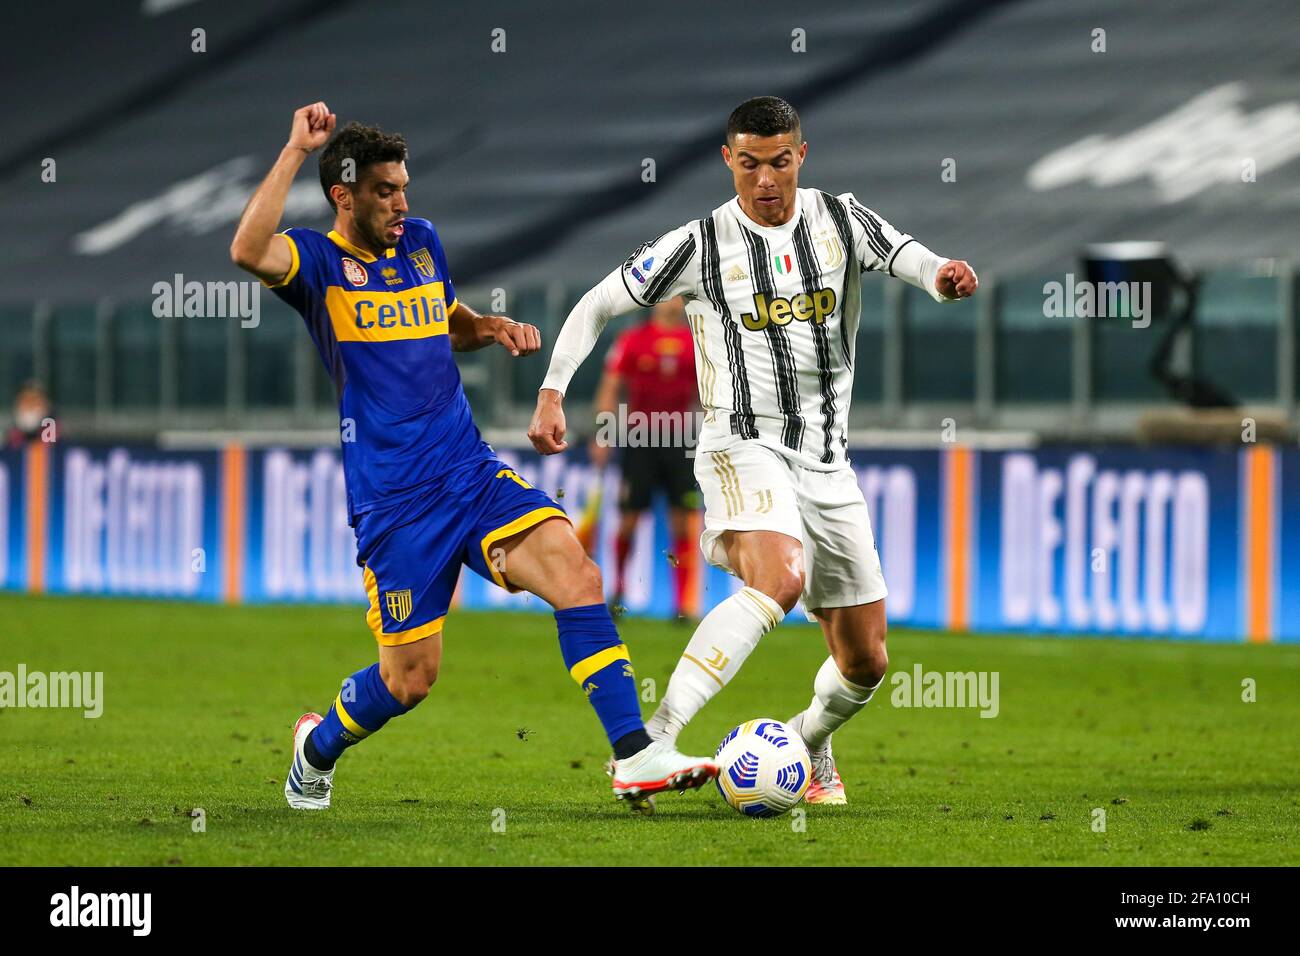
{"points": [[783, 264]]}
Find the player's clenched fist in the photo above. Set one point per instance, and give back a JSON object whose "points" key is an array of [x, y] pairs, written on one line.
{"points": [[312, 126], [518, 337], [956, 279], [546, 431]]}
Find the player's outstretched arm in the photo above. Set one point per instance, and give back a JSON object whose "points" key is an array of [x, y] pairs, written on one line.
{"points": [[470, 331], [880, 246], [256, 248], [942, 279], [576, 340]]}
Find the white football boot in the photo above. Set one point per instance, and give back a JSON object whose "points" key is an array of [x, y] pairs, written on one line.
{"points": [[307, 788], [825, 785], [644, 806], [657, 729], [657, 768]]}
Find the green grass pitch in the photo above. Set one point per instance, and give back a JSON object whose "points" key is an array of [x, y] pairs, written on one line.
{"points": [[199, 701]]}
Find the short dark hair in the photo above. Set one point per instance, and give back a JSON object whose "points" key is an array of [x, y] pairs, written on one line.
{"points": [[365, 146], [763, 116]]}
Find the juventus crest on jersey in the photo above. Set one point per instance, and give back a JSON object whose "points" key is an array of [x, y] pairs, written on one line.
{"points": [[774, 311]]}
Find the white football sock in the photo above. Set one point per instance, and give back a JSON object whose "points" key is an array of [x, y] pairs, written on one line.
{"points": [[835, 700], [719, 646]]}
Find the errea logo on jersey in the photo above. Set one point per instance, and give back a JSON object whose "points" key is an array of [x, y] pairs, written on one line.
{"points": [[779, 310]]}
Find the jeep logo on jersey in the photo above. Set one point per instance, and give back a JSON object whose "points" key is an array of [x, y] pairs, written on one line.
{"points": [[780, 310]]}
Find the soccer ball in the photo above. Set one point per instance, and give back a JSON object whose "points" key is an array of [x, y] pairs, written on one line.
{"points": [[763, 768]]}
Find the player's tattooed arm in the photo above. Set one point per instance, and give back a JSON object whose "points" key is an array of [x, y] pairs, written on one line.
{"points": [[256, 247], [470, 331]]}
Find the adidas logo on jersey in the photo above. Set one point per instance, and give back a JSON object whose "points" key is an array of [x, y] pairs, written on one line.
{"points": [[780, 310], [736, 274]]}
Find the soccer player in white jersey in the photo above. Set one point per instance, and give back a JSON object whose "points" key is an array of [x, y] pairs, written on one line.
{"points": [[772, 280]]}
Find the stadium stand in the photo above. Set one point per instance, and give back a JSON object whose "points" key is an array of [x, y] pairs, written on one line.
{"points": [[548, 181], [540, 190]]}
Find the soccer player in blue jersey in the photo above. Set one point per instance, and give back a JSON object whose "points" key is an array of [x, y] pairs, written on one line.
{"points": [[425, 493]]}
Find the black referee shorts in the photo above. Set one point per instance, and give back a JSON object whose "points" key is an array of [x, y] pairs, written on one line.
{"points": [[647, 470]]}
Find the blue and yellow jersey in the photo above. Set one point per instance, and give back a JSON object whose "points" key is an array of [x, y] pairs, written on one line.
{"points": [[381, 327]]}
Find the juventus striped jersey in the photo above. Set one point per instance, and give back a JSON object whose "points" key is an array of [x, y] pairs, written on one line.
{"points": [[774, 312]]}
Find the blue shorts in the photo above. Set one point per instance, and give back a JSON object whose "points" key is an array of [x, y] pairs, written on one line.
{"points": [[412, 552]]}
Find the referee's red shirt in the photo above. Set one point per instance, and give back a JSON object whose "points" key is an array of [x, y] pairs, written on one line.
{"points": [[658, 366]]}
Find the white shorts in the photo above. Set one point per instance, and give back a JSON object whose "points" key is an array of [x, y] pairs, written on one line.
{"points": [[749, 487]]}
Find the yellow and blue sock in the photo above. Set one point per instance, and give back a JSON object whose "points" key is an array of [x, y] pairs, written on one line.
{"points": [[598, 660], [361, 708]]}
